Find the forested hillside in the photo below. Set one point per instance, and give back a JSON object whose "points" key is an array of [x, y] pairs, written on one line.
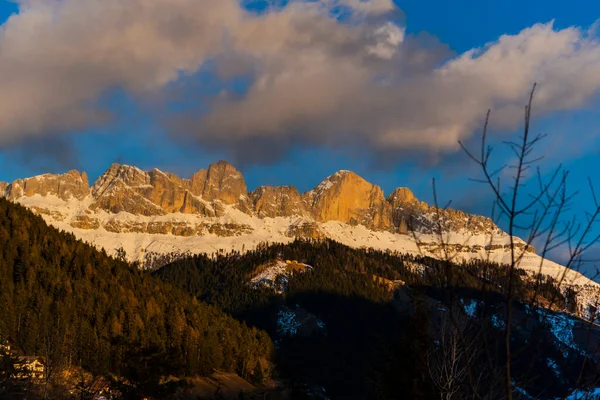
{"points": [[223, 281], [368, 324], [63, 300]]}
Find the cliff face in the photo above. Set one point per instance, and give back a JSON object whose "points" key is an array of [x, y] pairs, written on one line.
{"points": [[402, 201], [221, 182], [128, 189], [348, 198], [72, 185], [121, 188], [283, 201]]}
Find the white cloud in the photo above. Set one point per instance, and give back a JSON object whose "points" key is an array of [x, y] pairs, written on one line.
{"points": [[319, 95], [315, 80], [387, 39]]}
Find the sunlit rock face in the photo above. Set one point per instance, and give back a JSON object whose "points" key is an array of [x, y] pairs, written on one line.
{"points": [[346, 197], [400, 200], [224, 183], [72, 185], [283, 201], [128, 189]]}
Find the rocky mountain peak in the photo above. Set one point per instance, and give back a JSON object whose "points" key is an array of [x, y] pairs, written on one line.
{"points": [[3, 187], [282, 201], [346, 197], [128, 175], [72, 184], [157, 192], [225, 183], [402, 196], [124, 188], [116, 190], [332, 182], [221, 182]]}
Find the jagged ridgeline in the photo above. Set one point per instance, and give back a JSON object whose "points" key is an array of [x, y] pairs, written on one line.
{"points": [[215, 204], [73, 305]]}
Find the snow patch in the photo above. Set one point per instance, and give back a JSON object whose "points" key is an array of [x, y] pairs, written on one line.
{"points": [[552, 364], [561, 326], [287, 324], [292, 322], [498, 322], [280, 272], [584, 394], [471, 308]]}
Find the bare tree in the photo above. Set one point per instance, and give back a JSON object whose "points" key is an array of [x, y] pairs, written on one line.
{"points": [[450, 361], [535, 206]]}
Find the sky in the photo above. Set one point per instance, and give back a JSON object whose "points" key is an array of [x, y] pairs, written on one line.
{"points": [[292, 91]]}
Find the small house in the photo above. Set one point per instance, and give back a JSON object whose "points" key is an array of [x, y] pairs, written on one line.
{"points": [[32, 366]]}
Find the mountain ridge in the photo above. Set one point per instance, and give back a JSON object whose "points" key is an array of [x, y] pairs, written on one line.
{"points": [[343, 196]]}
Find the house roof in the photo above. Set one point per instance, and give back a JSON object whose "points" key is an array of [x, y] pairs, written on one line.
{"points": [[31, 359]]}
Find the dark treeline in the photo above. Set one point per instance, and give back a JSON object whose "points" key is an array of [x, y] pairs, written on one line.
{"points": [[63, 300], [223, 280]]}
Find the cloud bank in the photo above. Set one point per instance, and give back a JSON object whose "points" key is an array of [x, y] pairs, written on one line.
{"points": [[320, 73]]}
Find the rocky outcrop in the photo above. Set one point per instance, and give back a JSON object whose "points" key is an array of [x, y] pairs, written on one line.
{"points": [[160, 193], [124, 188], [171, 194], [404, 210], [401, 197], [221, 182], [457, 220], [3, 187], [176, 228], [346, 197], [128, 175], [117, 190], [305, 230], [410, 214], [85, 222], [283, 201], [72, 185]]}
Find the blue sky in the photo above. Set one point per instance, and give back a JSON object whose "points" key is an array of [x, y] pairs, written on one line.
{"points": [[135, 131], [465, 24]]}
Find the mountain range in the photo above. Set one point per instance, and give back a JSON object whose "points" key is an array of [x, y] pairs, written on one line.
{"points": [[152, 217]]}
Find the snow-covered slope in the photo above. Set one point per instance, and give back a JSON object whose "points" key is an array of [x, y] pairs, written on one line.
{"points": [[251, 231], [276, 274]]}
